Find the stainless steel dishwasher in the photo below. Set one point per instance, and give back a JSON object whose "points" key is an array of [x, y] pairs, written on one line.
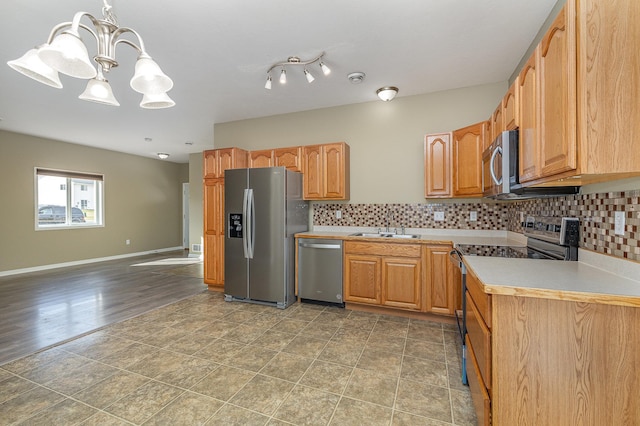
{"points": [[320, 271]]}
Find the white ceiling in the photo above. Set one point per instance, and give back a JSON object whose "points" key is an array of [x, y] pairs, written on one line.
{"points": [[217, 53]]}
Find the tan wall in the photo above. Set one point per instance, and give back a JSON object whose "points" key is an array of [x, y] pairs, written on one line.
{"points": [[196, 218], [142, 203], [386, 138]]}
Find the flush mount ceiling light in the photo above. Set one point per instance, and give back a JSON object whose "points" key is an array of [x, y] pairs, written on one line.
{"points": [[387, 93], [295, 61], [65, 52], [163, 155]]}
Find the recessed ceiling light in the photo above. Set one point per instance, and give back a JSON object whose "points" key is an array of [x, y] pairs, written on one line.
{"points": [[163, 155], [188, 143]]}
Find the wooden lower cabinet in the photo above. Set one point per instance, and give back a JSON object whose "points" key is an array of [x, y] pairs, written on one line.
{"points": [[362, 279], [383, 274], [414, 277], [401, 283], [479, 348], [442, 295]]}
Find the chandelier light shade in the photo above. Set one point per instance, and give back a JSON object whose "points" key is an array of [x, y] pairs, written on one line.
{"points": [[387, 93], [65, 52], [99, 90], [163, 155], [32, 66], [156, 101], [293, 61]]}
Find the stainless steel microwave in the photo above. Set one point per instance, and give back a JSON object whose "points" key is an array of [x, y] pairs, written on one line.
{"points": [[500, 172]]}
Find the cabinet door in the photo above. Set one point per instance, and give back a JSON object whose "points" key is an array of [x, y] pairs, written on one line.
{"points": [[441, 294], [263, 158], [557, 91], [362, 279], [529, 142], [510, 109], [497, 126], [401, 283], [291, 158], [313, 172], [467, 160], [214, 231], [210, 165], [335, 163], [437, 165], [231, 158], [488, 134]]}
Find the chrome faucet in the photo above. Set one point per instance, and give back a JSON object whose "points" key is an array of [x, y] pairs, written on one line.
{"points": [[389, 219]]}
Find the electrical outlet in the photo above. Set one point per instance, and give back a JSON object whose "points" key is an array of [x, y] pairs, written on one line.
{"points": [[473, 216], [338, 214], [438, 216], [619, 223], [127, 242]]}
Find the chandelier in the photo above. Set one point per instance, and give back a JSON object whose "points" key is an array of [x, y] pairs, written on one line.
{"points": [[64, 52], [296, 61]]}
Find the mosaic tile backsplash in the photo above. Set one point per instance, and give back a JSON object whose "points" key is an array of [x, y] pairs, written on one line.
{"points": [[596, 213]]}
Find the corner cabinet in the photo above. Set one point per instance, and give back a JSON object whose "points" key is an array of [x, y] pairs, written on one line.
{"points": [[326, 171], [467, 147], [215, 163]]}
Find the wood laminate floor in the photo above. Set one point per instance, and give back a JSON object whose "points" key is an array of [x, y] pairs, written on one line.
{"points": [[41, 309]]}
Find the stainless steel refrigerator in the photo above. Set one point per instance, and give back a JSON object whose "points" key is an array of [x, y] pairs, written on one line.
{"points": [[263, 210]]}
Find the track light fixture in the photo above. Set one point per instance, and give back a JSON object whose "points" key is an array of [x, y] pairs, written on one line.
{"points": [[292, 61], [65, 52]]}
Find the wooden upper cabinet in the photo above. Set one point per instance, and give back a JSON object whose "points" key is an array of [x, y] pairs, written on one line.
{"points": [[216, 161], [291, 158], [510, 108], [437, 165], [467, 147], [529, 144], [326, 171], [263, 158], [557, 91], [488, 134], [497, 125]]}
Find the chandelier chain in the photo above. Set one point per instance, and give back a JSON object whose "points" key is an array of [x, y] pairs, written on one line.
{"points": [[109, 16]]}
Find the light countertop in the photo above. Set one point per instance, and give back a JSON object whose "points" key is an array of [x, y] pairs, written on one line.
{"points": [[595, 278]]}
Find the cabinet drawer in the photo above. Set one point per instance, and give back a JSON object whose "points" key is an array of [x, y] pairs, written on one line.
{"points": [[480, 298], [479, 395], [382, 249], [479, 336]]}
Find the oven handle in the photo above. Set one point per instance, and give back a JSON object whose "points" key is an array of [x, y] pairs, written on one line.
{"points": [[456, 259]]}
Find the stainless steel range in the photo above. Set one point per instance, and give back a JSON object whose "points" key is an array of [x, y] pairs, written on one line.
{"points": [[549, 238]]}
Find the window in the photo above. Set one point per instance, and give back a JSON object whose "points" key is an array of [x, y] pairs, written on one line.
{"points": [[58, 200]]}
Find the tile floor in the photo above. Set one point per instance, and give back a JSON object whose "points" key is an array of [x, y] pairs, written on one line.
{"points": [[205, 361]]}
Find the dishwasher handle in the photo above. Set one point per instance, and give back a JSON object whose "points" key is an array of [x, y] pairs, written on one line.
{"points": [[321, 246]]}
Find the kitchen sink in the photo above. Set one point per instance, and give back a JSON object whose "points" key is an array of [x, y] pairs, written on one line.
{"points": [[383, 235]]}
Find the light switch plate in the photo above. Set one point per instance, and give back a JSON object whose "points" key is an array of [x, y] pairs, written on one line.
{"points": [[438, 216], [619, 223], [473, 216]]}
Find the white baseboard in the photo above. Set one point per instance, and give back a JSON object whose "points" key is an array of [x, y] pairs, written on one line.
{"points": [[84, 261]]}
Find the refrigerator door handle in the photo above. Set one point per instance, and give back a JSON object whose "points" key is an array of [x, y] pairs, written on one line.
{"points": [[245, 222], [251, 234]]}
